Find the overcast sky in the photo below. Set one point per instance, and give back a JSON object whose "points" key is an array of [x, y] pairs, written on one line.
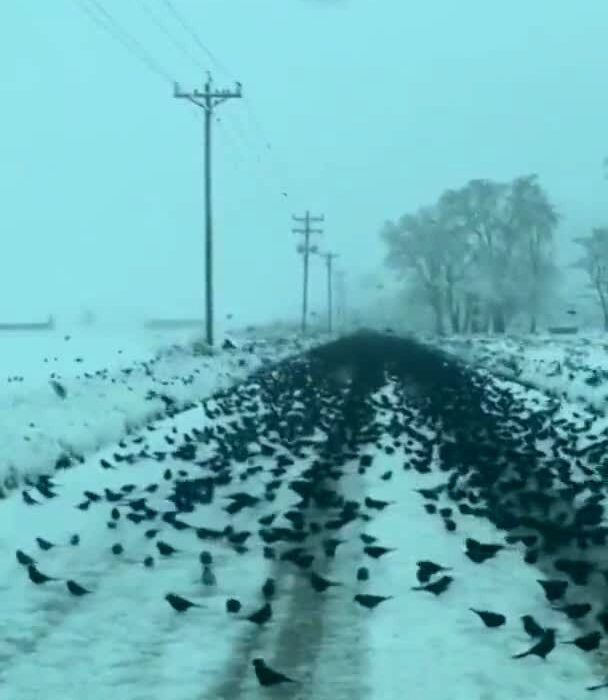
{"points": [[358, 110]]}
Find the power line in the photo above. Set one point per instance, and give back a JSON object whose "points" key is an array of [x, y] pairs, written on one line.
{"points": [[102, 18], [162, 27], [195, 36], [179, 18]]}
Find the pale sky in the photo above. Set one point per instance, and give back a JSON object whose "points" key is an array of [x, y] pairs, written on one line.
{"points": [[371, 109]]}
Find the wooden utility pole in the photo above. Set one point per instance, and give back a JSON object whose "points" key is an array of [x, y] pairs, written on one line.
{"points": [[341, 298], [306, 249], [329, 258], [208, 100]]}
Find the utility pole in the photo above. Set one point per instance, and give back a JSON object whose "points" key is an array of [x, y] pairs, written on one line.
{"points": [[306, 249], [208, 100], [329, 258], [341, 298]]}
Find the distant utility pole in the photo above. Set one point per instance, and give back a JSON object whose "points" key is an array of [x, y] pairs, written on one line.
{"points": [[208, 100], [340, 297], [329, 258], [306, 249]]}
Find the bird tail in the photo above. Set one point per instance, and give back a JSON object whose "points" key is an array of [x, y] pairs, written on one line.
{"points": [[520, 656]]}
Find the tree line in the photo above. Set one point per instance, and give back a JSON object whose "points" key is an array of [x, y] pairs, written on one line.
{"points": [[484, 254]]}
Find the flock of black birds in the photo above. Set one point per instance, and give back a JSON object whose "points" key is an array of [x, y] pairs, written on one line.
{"points": [[499, 457]]}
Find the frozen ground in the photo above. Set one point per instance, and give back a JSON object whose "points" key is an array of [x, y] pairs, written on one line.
{"points": [[112, 382], [124, 641], [575, 367]]}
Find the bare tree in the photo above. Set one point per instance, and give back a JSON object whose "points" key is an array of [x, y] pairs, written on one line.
{"points": [[595, 263], [414, 243], [531, 224]]}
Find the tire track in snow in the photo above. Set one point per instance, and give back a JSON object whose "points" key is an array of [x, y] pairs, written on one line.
{"points": [[311, 625]]}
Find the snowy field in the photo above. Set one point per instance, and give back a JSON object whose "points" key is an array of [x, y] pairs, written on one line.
{"points": [[575, 367], [69, 393], [122, 639]]}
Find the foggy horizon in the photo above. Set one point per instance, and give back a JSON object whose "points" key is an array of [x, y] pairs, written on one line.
{"points": [[369, 115]]}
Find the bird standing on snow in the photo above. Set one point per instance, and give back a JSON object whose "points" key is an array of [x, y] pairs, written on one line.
{"points": [[38, 577], [426, 569], [543, 647], [532, 628], [588, 642], [321, 584], [370, 601], [490, 619], [180, 604], [478, 552], [208, 577], [267, 676], [75, 588], [262, 615], [437, 587]]}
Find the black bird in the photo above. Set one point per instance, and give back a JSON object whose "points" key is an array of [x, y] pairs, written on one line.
{"points": [[375, 504], [554, 589], [205, 558], [431, 494], [233, 605], [38, 577], [92, 496], [321, 584], [28, 499], [23, 558], [266, 676], [602, 618], [368, 539], [262, 615], [268, 589], [426, 569], [376, 552], [180, 604], [576, 610], [149, 562], [75, 588], [370, 601], [267, 520], [543, 647], [478, 552], [588, 642], [165, 549], [75, 540], [532, 628], [436, 588], [58, 388], [490, 619], [330, 545], [362, 573], [597, 687], [45, 545], [578, 570]]}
